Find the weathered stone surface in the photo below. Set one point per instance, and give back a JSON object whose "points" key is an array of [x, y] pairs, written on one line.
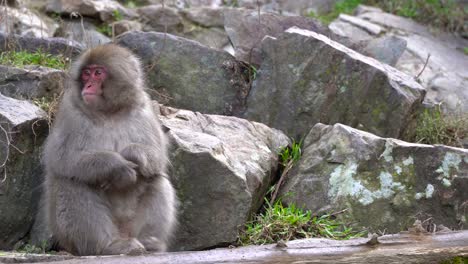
{"points": [[387, 49], [123, 26], [371, 28], [221, 166], [345, 29], [82, 32], [246, 30], [384, 183], [30, 82], [288, 7], [445, 74], [188, 75], [307, 78], [162, 19], [104, 10], [22, 131], [54, 46], [24, 22], [205, 16]]}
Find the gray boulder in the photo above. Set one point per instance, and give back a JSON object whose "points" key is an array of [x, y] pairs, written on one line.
{"points": [[386, 49], [445, 74], [162, 19], [54, 46], [307, 78], [384, 183], [105, 10], [246, 30], [222, 167], [83, 32], [31, 82], [123, 26], [24, 22], [185, 74], [22, 131]]}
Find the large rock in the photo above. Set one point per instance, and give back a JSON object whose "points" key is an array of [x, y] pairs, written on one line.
{"points": [[22, 132], [188, 75], [288, 7], [83, 32], [222, 167], [24, 22], [162, 19], [384, 183], [246, 30], [306, 78], [445, 74], [54, 46], [105, 10], [31, 82]]}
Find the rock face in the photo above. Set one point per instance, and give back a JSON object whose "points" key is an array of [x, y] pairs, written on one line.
{"points": [[22, 132], [54, 46], [24, 22], [385, 183], [82, 32], [30, 82], [222, 167], [246, 30], [188, 75], [445, 75], [306, 78], [105, 10]]}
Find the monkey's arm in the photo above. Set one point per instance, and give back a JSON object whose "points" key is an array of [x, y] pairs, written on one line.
{"points": [[151, 160], [95, 168]]}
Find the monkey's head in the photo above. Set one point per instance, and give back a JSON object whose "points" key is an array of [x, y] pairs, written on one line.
{"points": [[107, 78]]}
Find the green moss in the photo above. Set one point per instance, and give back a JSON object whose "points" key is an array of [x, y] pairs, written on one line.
{"points": [[23, 58], [465, 50]]}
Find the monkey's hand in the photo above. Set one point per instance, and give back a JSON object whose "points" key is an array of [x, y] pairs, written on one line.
{"points": [[137, 154], [122, 174]]}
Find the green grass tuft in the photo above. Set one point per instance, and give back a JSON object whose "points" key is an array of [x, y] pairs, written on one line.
{"points": [[343, 6], [288, 223], [23, 58], [435, 127]]}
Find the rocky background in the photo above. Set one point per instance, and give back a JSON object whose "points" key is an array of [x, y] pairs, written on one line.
{"points": [[239, 81]]}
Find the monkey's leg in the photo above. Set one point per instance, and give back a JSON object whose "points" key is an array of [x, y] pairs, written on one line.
{"points": [[158, 216], [84, 224]]}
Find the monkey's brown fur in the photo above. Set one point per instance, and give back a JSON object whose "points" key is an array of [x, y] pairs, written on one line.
{"points": [[107, 191]]}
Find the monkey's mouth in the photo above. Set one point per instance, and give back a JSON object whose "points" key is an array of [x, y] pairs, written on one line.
{"points": [[90, 98]]}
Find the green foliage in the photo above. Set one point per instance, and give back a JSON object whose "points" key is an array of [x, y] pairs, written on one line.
{"points": [[446, 14], [105, 29], [465, 50], [32, 249], [343, 6], [434, 127], [117, 15], [288, 223], [44, 103], [22, 58], [456, 260], [291, 154]]}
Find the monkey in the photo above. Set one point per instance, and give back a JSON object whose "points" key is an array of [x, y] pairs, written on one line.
{"points": [[106, 185]]}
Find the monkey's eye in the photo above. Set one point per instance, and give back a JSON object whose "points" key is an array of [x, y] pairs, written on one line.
{"points": [[98, 72], [86, 72]]}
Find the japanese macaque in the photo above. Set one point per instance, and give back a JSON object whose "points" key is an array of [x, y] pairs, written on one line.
{"points": [[107, 191]]}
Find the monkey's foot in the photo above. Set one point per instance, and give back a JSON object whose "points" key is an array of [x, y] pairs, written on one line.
{"points": [[129, 246], [153, 244]]}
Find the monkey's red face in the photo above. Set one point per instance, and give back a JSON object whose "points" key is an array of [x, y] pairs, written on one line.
{"points": [[92, 78]]}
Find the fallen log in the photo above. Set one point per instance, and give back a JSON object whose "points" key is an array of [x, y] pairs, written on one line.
{"points": [[405, 247]]}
